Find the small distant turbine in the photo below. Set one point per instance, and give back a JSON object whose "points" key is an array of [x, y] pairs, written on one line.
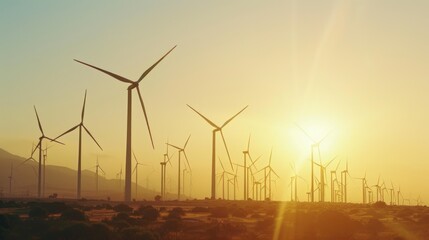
{"points": [[181, 150]]}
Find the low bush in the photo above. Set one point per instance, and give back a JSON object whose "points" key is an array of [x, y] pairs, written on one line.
{"points": [[335, 225], [148, 213], [72, 214], [379, 204], [200, 210], [37, 213], [122, 208], [219, 212]]}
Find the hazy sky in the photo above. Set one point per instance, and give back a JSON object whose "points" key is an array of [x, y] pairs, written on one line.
{"points": [[356, 67]]}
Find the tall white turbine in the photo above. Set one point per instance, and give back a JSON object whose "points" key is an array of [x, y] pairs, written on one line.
{"points": [[79, 156], [133, 85], [217, 129]]}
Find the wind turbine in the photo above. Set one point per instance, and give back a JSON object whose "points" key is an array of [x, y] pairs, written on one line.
{"points": [[268, 174], [378, 188], [333, 180], [133, 85], [294, 181], [32, 159], [217, 129], [252, 176], [245, 176], [31, 156], [79, 126], [97, 167], [364, 187], [222, 178], [181, 150], [234, 183], [164, 171], [45, 156], [345, 173], [39, 145], [315, 144], [119, 175], [10, 179], [322, 177], [399, 193], [392, 194], [183, 182], [136, 171]]}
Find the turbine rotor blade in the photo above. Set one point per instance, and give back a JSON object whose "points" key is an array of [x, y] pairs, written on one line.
{"points": [[153, 66], [187, 161], [321, 140], [71, 129], [221, 164], [227, 151], [274, 172], [92, 137], [37, 146], [186, 143], [53, 140], [229, 120], [210, 122], [269, 161], [305, 132], [120, 78], [145, 116], [101, 169], [331, 161], [38, 121], [338, 164], [135, 158], [248, 143], [83, 108], [171, 145]]}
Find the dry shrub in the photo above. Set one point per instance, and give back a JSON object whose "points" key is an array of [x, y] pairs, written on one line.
{"points": [[332, 224]]}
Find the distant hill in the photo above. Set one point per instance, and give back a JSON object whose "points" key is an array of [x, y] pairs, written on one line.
{"points": [[60, 180]]}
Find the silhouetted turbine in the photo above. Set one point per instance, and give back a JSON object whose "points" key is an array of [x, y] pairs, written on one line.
{"points": [[217, 129], [181, 150], [133, 84], [79, 156], [39, 145]]}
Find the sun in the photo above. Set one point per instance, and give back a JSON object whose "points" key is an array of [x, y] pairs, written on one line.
{"points": [[304, 133]]}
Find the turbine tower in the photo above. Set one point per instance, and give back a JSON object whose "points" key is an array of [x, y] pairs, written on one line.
{"points": [[10, 179], [133, 85], [181, 150], [79, 156], [217, 129], [39, 145]]}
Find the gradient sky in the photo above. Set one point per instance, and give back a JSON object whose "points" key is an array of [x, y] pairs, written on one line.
{"points": [[358, 68]]}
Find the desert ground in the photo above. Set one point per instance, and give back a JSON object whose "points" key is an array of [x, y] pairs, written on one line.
{"points": [[209, 219]]}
